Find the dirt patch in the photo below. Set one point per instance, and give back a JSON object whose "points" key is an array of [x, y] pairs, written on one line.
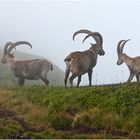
{"points": [[11, 115], [81, 129]]}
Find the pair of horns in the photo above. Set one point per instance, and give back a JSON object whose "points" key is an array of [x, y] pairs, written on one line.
{"points": [[120, 46], [10, 45], [97, 36]]}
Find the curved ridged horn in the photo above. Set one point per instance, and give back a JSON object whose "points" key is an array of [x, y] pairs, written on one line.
{"points": [[122, 45], [18, 43], [81, 31], [6, 46], [100, 39], [86, 32], [118, 46]]}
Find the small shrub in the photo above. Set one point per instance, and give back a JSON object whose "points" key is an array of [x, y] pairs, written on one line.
{"points": [[60, 122], [137, 124], [89, 118], [111, 121]]}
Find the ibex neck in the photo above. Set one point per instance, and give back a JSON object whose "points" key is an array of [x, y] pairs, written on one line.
{"points": [[128, 60], [93, 49], [11, 60]]}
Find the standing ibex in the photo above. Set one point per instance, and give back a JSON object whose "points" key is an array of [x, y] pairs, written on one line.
{"points": [[79, 63], [132, 63], [26, 69]]}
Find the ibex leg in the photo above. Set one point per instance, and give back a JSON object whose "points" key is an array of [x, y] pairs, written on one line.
{"points": [[79, 80], [72, 78], [137, 77], [90, 77], [44, 78], [45, 81], [130, 77], [21, 81], [67, 72]]}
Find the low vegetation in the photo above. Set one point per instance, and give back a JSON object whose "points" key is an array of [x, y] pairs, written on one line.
{"points": [[111, 111]]}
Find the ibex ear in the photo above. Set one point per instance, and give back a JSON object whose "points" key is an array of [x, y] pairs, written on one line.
{"points": [[91, 44]]}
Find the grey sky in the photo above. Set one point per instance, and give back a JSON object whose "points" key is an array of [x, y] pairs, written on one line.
{"points": [[49, 26]]}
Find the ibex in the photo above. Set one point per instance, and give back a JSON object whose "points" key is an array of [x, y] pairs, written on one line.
{"points": [[26, 69], [79, 63], [132, 63]]}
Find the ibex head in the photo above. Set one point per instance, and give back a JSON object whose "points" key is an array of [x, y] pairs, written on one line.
{"points": [[98, 38], [7, 49], [99, 41], [120, 53]]}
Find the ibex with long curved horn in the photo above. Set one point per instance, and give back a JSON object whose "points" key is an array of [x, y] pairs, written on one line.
{"points": [[26, 69], [132, 63], [79, 63]]}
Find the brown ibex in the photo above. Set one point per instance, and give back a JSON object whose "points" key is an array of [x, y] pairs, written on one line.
{"points": [[132, 63], [79, 63], [26, 69]]}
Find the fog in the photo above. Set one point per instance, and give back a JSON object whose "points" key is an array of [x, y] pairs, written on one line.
{"points": [[49, 27]]}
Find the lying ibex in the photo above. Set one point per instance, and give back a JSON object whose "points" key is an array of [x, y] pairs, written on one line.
{"points": [[132, 63], [26, 69], [79, 63]]}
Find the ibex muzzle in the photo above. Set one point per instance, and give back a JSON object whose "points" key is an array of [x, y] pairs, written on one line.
{"points": [[101, 52], [120, 60]]}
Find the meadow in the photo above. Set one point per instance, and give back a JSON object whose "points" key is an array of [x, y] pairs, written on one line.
{"points": [[107, 111]]}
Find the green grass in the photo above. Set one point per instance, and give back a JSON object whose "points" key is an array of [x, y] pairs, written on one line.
{"points": [[59, 111]]}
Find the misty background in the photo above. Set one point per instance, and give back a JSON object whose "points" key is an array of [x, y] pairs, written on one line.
{"points": [[49, 27]]}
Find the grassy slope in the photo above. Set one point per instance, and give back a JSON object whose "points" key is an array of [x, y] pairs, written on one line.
{"points": [[86, 112]]}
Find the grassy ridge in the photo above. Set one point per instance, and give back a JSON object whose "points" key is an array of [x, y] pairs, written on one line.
{"points": [[87, 112]]}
